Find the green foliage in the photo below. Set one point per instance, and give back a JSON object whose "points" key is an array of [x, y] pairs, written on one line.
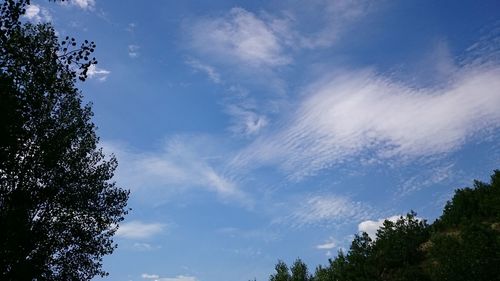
{"points": [[58, 207], [298, 272], [462, 245], [397, 250], [466, 243], [282, 273]]}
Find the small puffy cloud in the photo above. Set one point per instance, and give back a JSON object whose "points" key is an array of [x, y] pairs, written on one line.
{"points": [[100, 74], [326, 246], [138, 229], [156, 277], [37, 13], [133, 50], [240, 36], [371, 227], [205, 68]]}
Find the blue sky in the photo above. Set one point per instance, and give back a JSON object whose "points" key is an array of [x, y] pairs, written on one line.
{"points": [[254, 131]]}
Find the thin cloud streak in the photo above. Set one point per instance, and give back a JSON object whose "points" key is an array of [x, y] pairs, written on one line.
{"points": [[181, 165], [205, 68], [156, 277], [138, 229]]}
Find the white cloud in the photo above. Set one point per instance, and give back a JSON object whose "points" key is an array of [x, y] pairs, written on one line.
{"points": [[336, 17], [325, 210], [183, 163], [141, 246], [346, 115], [98, 73], [245, 120], [37, 13], [239, 36], [326, 246], [131, 27], [444, 172], [156, 277], [83, 4], [133, 50], [138, 229], [371, 227], [205, 68]]}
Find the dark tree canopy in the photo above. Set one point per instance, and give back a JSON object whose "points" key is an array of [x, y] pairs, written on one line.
{"points": [[58, 206], [297, 272]]}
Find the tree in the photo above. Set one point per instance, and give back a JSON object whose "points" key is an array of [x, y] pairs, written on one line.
{"points": [[299, 271], [58, 206], [466, 242], [397, 250], [335, 271], [360, 259], [282, 273]]}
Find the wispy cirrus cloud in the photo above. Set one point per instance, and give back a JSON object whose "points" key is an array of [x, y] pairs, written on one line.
{"points": [[182, 164], [350, 114], [239, 36], [246, 121], [210, 71], [321, 210], [335, 18]]}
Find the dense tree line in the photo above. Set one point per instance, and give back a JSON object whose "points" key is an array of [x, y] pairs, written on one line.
{"points": [[58, 206], [461, 245]]}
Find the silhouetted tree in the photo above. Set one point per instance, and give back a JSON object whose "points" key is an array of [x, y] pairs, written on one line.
{"points": [[58, 207], [397, 251], [299, 271], [282, 273]]}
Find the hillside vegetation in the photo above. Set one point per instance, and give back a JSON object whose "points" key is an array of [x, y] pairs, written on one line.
{"points": [[463, 244]]}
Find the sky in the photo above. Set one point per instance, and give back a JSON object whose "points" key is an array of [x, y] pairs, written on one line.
{"points": [[255, 131]]}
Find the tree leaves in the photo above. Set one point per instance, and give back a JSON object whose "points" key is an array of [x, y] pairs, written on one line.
{"points": [[59, 207]]}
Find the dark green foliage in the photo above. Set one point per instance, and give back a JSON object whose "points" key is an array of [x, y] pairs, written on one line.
{"points": [[466, 243], [58, 207], [397, 250], [462, 245], [282, 273], [337, 269], [298, 272], [360, 259]]}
